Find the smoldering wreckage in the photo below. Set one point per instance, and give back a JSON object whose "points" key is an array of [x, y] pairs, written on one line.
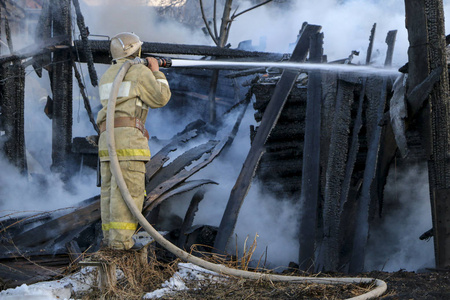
{"points": [[325, 141]]}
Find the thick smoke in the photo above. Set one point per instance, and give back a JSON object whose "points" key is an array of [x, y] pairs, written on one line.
{"points": [[395, 244]]}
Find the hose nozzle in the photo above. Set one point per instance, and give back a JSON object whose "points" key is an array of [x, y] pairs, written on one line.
{"points": [[164, 62]]}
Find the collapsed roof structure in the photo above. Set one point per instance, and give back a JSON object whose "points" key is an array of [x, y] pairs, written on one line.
{"points": [[325, 140]]}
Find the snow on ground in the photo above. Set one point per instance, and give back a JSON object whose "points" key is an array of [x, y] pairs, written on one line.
{"points": [[186, 272], [85, 279], [57, 289]]}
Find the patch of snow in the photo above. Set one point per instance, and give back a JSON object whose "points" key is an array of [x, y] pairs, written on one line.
{"points": [[186, 272], [81, 281]]}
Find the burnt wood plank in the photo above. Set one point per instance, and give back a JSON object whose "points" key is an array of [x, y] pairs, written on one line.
{"points": [[335, 175], [179, 189], [53, 229], [374, 130], [189, 217], [184, 174], [157, 161], [180, 163], [390, 41], [309, 196]]}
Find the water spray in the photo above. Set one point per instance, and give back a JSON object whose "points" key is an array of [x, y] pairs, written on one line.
{"points": [[166, 62], [336, 68], [379, 285]]}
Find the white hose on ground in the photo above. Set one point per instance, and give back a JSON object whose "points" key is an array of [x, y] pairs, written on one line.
{"points": [[380, 286]]}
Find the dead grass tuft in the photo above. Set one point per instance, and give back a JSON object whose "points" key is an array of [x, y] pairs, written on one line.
{"points": [[142, 272]]}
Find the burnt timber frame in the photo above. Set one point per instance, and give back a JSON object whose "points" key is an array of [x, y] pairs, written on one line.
{"points": [[268, 121]]}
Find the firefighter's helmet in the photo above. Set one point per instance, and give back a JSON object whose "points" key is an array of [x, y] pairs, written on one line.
{"points": [[124, 44]]}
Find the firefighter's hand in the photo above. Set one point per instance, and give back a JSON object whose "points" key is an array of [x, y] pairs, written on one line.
{"points": [[152, 64]]}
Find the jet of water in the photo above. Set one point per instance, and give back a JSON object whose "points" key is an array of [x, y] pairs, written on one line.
{"points": [[337, 68]]}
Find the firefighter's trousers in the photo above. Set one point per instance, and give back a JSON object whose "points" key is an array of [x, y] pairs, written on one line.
{"points": [[118, 223]]}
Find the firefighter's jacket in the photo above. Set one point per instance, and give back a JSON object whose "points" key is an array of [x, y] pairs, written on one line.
{"points": [[141, 88]]}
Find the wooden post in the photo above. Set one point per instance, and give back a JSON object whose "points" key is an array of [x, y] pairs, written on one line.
{"points": [[61, 77], [268, 121], [335, 175], [371, 39], [376, 94], [426, 34], [390, 41], [12, 113], [309, 196], [106, 273]]}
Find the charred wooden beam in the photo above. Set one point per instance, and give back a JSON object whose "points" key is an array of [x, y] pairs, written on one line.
{"points": [[309, 197], [87, 104], [390, 41], [61, 74], [335, 175], [268, 122], [371, 39], [158, 160], [8, 35], [439, 164], [74, 252], [189, 216], [180, 163], [12, 104], [374, 115], [100, 51], [57, 227], [152, 199], [427, 53], [350, 189], [398, 114], [84, 39]]}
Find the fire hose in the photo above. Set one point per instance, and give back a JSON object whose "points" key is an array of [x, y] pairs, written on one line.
{"points": [[380, 286]]}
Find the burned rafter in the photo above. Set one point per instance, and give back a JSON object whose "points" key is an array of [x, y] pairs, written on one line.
{"points": [[100, 51]]}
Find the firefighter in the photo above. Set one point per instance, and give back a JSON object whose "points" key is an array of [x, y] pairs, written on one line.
{"points": [[142, 88]]}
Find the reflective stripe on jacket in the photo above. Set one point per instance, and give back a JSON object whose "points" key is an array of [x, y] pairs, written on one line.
{"points": [[140, 90]]}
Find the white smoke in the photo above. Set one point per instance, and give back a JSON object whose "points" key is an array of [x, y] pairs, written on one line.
{"points": [[112, 18], [395, 244]]}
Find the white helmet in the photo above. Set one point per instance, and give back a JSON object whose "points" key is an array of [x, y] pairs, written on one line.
{"points": [[124, 44]]}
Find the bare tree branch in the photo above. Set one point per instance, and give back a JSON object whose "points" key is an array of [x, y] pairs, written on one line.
{"points": [[234, 16], [207, 25], [215, 19], [225, 21]]}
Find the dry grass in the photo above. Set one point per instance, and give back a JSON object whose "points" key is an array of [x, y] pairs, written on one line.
{"points": [[139, 275], [140, 278]]}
